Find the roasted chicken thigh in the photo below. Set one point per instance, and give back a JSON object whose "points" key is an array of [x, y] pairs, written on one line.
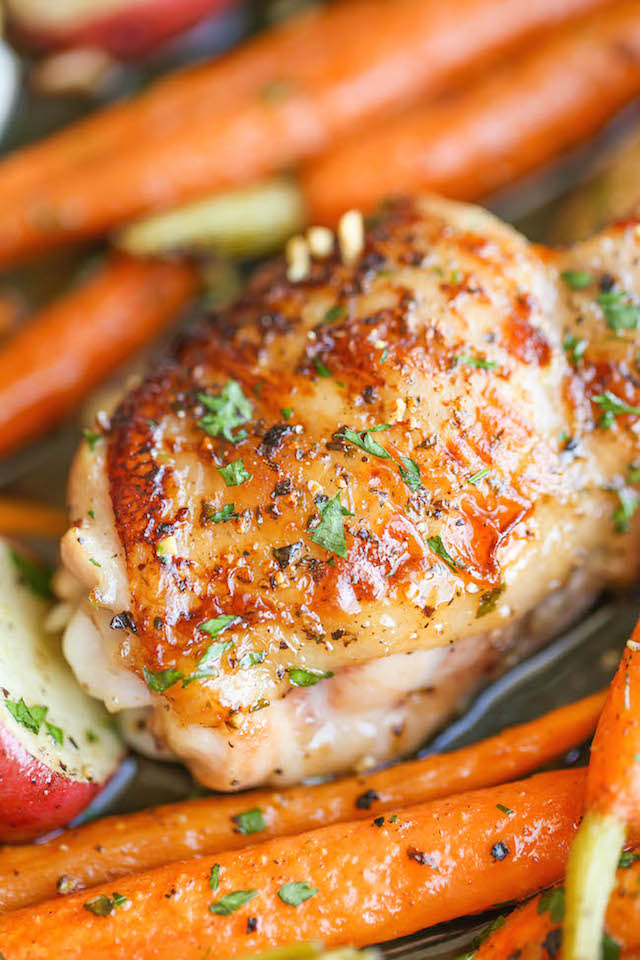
{"points": [[339, 507]]}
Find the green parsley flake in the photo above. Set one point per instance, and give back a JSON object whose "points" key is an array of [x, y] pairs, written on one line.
{"points": [[633, 473], [54, 732], [207, 665], [306, 678], [439, 548], [30, 717], [226, 411], [574, 347], [577, 279], [506, 810], [214, 877], [553, 901], [216, 625], [365, 441], [321, 369], [489, 600], [231, 902], [250, 821], [334, 313], [223, 515], [36, 576], [480, 475], [612, 406], [251, 658], [91, 438], [620, 313], [294, 893], [104, 906], [627, 859], [410, 473], [610, 949], [161, 680], [477, 363], [623, 514], [287, 413], [234, 473], [329, 533]]}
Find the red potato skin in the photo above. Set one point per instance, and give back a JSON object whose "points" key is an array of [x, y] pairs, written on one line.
{"points": [[130, 30], [33, 798]]}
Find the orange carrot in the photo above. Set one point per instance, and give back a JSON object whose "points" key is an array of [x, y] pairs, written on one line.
{"points": [[612, 808], [359, 883], [67, 348], [288, 94], [538, 924], [112, 847], [502, 127], [28, 518]]}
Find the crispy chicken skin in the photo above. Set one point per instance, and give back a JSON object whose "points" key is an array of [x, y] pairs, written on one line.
{"points": [[488, 512]]}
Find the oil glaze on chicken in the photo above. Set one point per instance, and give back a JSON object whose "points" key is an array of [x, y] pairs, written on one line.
{"points": [[307, 537]]}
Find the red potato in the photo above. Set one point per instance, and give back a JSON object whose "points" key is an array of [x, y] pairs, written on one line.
{"points": [[57, 748], [125, 28]]}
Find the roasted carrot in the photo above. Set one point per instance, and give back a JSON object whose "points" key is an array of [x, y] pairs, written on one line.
{"points": [[115, 846], [67, 348], [359, 883], [612, 808], [504, 126], [538, 924], [28, 518], [288, 94]]}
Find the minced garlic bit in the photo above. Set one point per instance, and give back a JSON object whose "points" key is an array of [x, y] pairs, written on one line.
{"points": [[298, 259], [320, 240], [351, 236], [167, 547]]}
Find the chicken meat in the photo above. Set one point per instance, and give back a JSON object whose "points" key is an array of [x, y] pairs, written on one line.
{"points": [[342, 505]]}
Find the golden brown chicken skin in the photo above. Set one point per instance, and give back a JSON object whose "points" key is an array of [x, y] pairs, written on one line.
{"points": [[291, 520]]}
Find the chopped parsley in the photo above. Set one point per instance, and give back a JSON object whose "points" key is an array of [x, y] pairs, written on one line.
{"points": [[206, 666], [221, 516], [410, 473], [214, 877], [30, 717], [574, 347], [91, 437], [477, 363], [251, 658], [36, 576], [477, 477], [506, 810], [234, 473], [104, 906], [439, 548], [161, 680], [334, 313], [577, 279], [306, 678], [287, 413], [294, 893], [627, 859], [610, 948], [620, 313], [54, 732], [216, 625], [231, 902], [624, 512], [489, 600], [633, 473], [553, 901], [250, 821], [612, 406], [226, 411], [321, 369], [365, 441], [329, 533]]}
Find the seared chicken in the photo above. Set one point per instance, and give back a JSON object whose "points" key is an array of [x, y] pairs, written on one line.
{"points": [[308, 536]]}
